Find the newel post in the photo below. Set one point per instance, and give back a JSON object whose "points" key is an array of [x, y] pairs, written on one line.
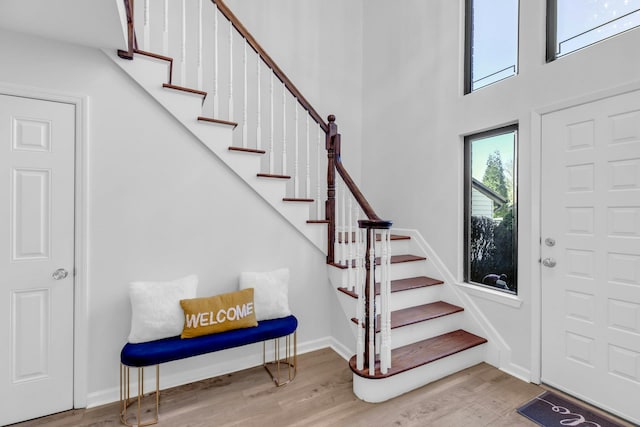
{"points": [[372, 226], [333, 152]]}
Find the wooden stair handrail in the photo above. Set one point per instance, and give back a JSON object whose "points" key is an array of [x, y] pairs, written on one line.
{"points": [[373, 221], [224, 9]]}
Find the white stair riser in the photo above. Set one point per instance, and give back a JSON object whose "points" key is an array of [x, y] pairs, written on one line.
{"points": [[421, 331], [403, 270], [380, 390], [399, 300], [340, 276], [413, 297], [398, 247]]}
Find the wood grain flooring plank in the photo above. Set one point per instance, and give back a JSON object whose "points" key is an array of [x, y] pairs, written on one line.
{"points": [[321, 395]]}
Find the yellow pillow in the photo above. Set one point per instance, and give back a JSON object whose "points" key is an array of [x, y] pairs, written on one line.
{"points": [[219, 313]]}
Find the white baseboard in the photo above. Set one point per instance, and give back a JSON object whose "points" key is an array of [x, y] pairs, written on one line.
{"points": [[186, 376]]}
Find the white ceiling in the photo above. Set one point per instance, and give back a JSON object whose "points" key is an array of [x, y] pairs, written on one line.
{"points": [[97, 23]]}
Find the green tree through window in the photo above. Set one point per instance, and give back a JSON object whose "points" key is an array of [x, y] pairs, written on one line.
{"points": [[490, 209]]}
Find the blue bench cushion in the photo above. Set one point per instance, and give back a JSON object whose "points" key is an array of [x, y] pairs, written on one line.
{"points": [[175, 348]]}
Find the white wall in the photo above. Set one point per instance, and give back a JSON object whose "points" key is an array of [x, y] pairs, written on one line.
{"points": [[161, 206], [415, 117], [318, 44]]}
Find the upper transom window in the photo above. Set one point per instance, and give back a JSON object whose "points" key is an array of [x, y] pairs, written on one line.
{"points": [[574, 24], [491, 50]]}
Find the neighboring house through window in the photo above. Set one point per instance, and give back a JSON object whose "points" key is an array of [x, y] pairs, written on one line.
{"points": [[491, 209]]}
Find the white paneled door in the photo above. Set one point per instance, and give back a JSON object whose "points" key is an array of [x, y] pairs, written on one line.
{"points": [[37, 145], [591, 252]]}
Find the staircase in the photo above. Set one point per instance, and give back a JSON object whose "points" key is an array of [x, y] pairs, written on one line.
{"points": [[408, 330], [427, 336]]}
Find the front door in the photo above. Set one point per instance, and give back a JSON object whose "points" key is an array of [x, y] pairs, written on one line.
{"points": [[37, 145], [591, 252]]}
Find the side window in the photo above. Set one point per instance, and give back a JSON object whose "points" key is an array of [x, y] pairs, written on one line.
{"points": [[491, 225], [574, 24], [491, 42]]}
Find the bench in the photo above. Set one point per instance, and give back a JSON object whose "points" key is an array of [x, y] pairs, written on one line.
{"points": [[169, 349]]}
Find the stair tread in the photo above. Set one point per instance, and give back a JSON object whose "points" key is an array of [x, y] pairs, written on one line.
{"points": [[184, 89], [247, 150], [423, 352], [218, 121], [422, 313], [297, 199], [153, 55], [340, 235], [402, 285], [395, 259], [419, 313], [272, 175]]}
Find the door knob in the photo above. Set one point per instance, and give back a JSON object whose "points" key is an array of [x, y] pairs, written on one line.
{"points": [[60, 274], [549, 262]]}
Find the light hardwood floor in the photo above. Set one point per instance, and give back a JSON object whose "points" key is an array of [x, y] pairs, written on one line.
{"points": [[321, 395]]}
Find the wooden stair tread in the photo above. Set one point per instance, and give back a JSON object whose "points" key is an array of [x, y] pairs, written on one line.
{"points": [[422, 352], [395, 259], [153, 55], [318, 221], [294, 199], [247, 150], [340, 235], [184, 89], [422, 313], [419, 313], [402, 285], [271, 175], [218, 121]]}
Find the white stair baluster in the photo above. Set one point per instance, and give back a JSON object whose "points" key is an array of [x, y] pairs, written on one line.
{"points": [[246, 97], [385, 319], [296, 172], [165, 29], [360, 307], [343, 221], [271, 151], [231, 72], [307, 190], [183, 45], [259, 101], [350, 244], [146, 42], [319, 150], [338, 225], [216, 100], [284, 130], [200, 50]]}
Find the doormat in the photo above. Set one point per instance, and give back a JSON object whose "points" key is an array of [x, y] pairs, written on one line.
{"points": [[551, 410]]}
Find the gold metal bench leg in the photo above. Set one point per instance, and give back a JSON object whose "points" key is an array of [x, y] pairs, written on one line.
{"points": [[290, 360], [126, 401]]}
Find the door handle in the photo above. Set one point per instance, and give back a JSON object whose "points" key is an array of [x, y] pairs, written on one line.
{"points": [[549, 262], [60, 274]]}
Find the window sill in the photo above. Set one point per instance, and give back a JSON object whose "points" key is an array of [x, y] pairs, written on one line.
{"points": [[492, 295]]}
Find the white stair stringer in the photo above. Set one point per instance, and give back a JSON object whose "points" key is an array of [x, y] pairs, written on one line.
{"points": [[382, 389], [150, 73], [498, 352]]}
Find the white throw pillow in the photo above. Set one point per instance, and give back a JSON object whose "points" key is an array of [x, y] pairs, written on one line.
{"points": [[271, 293], [155, 308]]}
